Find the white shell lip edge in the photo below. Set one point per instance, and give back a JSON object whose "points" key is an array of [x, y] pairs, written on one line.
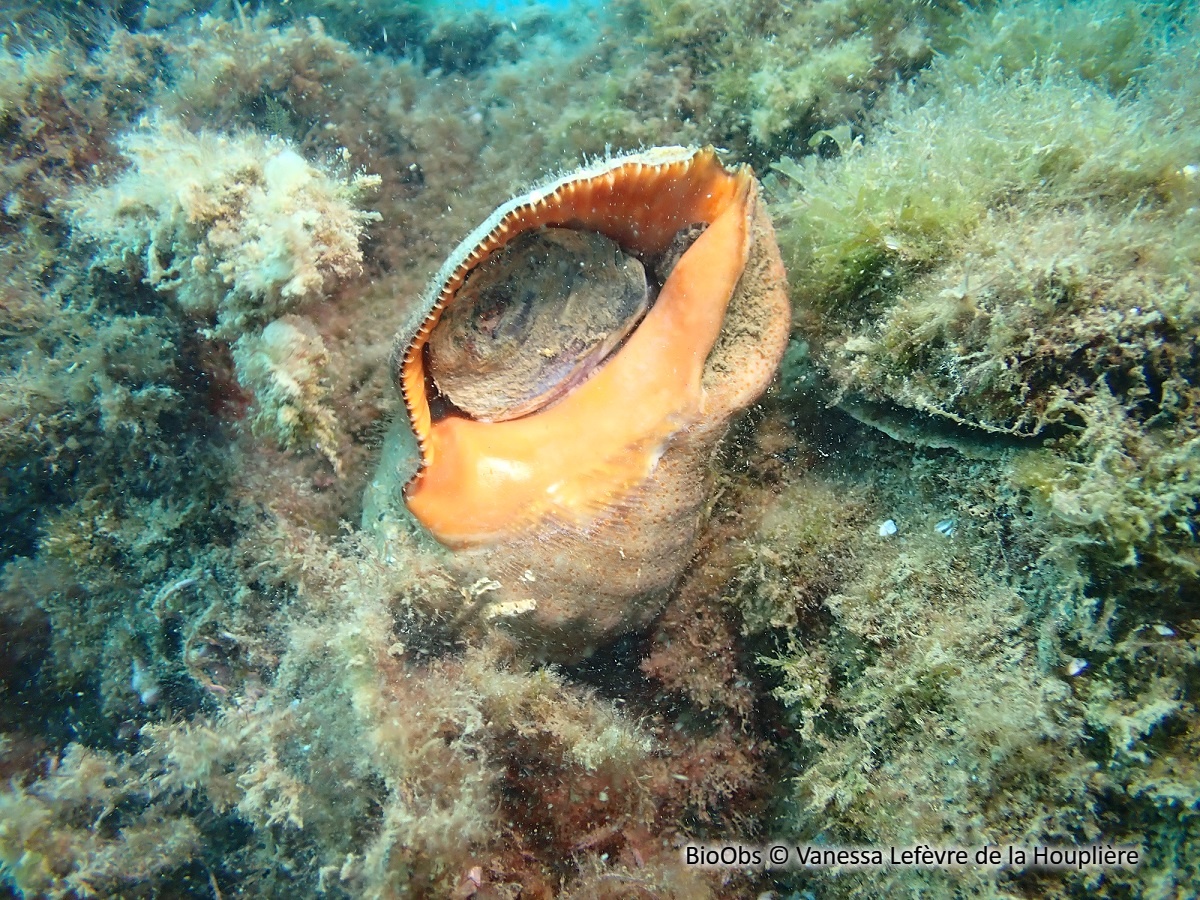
{"points": [[654, 156]]}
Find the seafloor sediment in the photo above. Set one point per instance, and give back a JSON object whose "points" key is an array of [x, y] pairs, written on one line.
{"points": [[947, 592]]}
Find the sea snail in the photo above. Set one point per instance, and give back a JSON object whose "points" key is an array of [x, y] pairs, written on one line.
{"points": [[580, 357]]}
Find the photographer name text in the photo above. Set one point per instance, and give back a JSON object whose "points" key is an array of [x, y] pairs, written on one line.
{"points": [[920, 856]]}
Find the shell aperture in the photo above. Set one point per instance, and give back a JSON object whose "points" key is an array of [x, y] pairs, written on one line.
{"points": [[605, 436], [585, 511], [534, 320]]}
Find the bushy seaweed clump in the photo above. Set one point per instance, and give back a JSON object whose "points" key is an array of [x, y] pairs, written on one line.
{"points": [[234, 228], [915, 681], [1045, 288], [770, 78], [1000, 274], [284, 368]]}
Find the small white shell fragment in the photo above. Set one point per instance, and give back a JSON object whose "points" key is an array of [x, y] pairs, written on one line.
{"points": [[481, 587], [509, 608], [1076, 665], [888, 528], [1164, 631], [945, 527], [144, 684]]}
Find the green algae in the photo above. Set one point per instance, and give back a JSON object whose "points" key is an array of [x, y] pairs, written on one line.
{"points": [[1008, 252], [210, 681]]}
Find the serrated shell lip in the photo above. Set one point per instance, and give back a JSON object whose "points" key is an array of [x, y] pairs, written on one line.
{"points": [[670, 164]]}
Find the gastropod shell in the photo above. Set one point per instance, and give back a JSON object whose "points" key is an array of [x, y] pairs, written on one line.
{"points": [[575, 365]]}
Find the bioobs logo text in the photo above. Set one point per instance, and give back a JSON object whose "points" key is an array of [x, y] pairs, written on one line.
{"points": [[723, 856]]}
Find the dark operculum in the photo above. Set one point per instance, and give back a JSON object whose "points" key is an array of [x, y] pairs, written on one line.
{"points": [[538, 317]]}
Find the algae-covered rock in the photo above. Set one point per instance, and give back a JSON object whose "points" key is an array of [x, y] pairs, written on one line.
{"points": [[285, 368], [237, 228], [946, 592], [1000, 276]]}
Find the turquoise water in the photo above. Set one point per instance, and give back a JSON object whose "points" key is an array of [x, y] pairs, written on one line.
{"points": [[853, 555]]}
